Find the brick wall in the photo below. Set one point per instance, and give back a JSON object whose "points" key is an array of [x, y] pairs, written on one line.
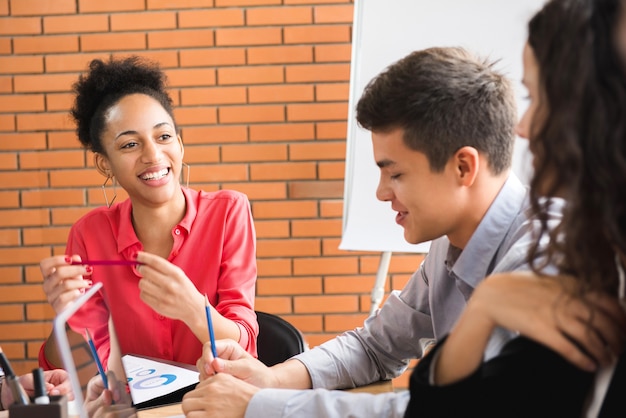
{"points": [[261, 95]]}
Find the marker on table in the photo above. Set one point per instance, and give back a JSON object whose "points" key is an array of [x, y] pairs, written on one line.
{"points": [[19, 394], [96, 358], [207, 309], [41, 394]]}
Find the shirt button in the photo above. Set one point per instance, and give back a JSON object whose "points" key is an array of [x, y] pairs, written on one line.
{"points": [[177, 231], [161, 317]]}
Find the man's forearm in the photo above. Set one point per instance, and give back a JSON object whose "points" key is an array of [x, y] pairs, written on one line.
{"points": [[292, 374]]}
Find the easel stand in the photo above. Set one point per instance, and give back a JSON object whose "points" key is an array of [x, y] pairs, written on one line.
{"points": [[378, 291]]}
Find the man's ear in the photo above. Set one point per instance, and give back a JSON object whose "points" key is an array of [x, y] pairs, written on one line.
{"points": [[467, 164], [102, 164]]}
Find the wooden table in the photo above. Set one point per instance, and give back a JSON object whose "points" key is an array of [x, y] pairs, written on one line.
{"points": [[176, 409]]}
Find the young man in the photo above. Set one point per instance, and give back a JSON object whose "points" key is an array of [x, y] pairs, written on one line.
{"points": [[442, 126]]}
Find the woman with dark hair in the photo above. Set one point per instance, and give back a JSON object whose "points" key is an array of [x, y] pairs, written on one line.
{"points": [[166, 246], [572, 327]]}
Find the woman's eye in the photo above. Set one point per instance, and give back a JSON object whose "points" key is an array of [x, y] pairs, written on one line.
{"points": [[165, 137], [129, 145]]}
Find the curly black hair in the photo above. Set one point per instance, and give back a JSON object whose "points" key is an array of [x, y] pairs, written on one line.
{"points": [[105, 84], [581, 142]]}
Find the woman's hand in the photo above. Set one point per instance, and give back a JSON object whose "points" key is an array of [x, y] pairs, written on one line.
{"points": [[62, 281]]}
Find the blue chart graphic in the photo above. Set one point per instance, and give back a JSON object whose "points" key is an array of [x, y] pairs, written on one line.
{"points": [[151, 381]]}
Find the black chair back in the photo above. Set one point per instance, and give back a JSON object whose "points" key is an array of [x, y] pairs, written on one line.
{"points": [[278, 340]]}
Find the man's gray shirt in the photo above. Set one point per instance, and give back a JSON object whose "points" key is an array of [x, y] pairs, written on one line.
{"points": [[388, 340]]}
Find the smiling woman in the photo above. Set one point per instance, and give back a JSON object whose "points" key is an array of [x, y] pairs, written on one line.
{"points": [[184, 243]]}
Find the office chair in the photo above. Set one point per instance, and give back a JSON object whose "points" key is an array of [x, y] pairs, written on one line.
{"points": [[278, 340]]}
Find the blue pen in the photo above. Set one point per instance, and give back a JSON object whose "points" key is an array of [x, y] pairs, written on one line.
{"points": [[207, 309], [94, 352]]}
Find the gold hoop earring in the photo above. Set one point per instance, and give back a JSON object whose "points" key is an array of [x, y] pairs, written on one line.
{"points": [[182, 178], [104, 192]]}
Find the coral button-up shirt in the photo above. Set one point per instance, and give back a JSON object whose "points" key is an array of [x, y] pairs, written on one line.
{"points": [[214, 244]]}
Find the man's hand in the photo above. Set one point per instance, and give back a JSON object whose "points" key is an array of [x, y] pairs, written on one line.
{"points": [[219, 396]]}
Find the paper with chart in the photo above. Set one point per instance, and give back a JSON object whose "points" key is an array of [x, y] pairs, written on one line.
{"points": [[149, 379]]}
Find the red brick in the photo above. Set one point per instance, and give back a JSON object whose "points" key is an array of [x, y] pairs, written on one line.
{"points": [[63, 140], [331, 170], [280, 54], [251, 113], [23, 217], [113, 41], [281, 93], [277, 16], [75, 24], [211, 18], [45, 236], [219, 173], [143, 21], [8, 161], [22, 103], [316, 228], [288, 248], [59, 101], [20, 65], [23, 179], [9, 199], [191, 77], [249, 153], [43, 83], [40, 8], [169, 4], [6, 84], [7, 123], [315, 189], [317, 34], [43, 121], [95, 6], [324, 304], [313, 1], [317, 111], [330, 247], [332, 92], [9, 237], [4, 7], [39, 312], [197, 115], [334, 14], [57, 159], [74, 178], [274, 267], [228, 3], [282, 132], [350, 284], [14, 26], [45, 44], [341, 323], [213, 95], [214, 134], [11, 274], [326, 265], [305, 323], [317, 151], [201, 154], [286, 209], [289, 286], [276, 304], [180, 38], [332, 130], [11, 313], [261, 191], [333, 53], [282, 171], [315, 73], [213, 57], [53, 197], [6, 46], [248, 36], [250, 75], [67, 216], [23, 255], [64, 63], [271, 229]]}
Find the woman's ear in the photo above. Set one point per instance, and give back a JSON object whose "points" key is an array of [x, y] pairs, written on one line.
{"points": [[467, 163], [102, 164], [182, 147]]}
